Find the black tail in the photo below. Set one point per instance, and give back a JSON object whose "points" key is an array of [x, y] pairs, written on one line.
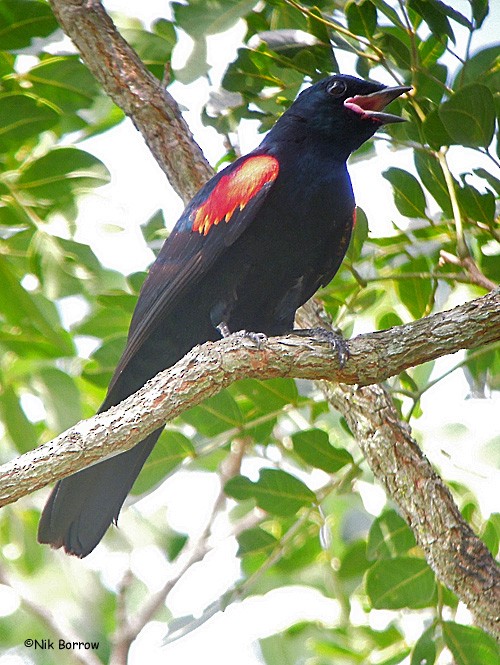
{"points": [[82, 507]]}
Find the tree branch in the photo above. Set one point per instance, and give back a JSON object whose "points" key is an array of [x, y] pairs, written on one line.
{"points": [[209, 368], [457, 556], [136, 91]]}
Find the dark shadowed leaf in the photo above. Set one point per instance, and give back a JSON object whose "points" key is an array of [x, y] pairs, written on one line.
{"points": [[480, 9], [432, 176], [469, 116], [269, 395], [276, 491], [215, 415], [416, 292], [408, 194], [314, 447], [477, 206], [435, 131], [401, 582], [482, 67], [434, 16], [361, 18]]}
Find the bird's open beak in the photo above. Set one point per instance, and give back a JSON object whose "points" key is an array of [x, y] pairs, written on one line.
{"points": [[371, 106]]}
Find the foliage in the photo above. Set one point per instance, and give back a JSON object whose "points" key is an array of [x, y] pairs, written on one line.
{"points": [[310, 525]]}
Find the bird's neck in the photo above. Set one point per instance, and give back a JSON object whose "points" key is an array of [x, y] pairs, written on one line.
{"points": [[294, 135]]}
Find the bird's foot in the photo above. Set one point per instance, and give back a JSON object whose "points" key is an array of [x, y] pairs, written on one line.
{"points": [[256, 337], [335, 339]]}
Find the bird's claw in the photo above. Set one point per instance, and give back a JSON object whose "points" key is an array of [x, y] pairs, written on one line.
{"points": [[335, 339], [257, 338]]}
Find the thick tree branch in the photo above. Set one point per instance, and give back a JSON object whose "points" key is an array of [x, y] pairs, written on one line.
{"points": [[457, 556], [136, 91], [209, 368]]}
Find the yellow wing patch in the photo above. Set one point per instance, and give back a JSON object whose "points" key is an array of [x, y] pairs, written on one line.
{"points": [[234, 191]]}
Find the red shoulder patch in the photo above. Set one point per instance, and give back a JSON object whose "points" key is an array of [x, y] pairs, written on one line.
{"points": [[235, 190]]}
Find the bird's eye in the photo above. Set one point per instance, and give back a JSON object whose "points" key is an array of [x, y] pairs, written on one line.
{"points": [[337, 88]]}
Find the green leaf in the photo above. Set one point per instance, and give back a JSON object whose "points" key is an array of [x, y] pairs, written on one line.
{"points": [[171, 449], [434, 16], [393, 42], [359, 235], [60, 397], [388, 11], [430, 82], [255, 541], [470, 645], [23, 117], [408, 194], [402, 582], [453, 14], [490, 179], [19, 428], [104, 360], [314, 447], [30, 310], [203, 17], [268, 396], [483, 67], [435, 131], [480, 9], [361, 18], [469, 116], [416, 292], [490, 535], [477, 206], [424, 651], [430, 50], [432, 176], [63, 81], [215, 415], [62, 173], [22, 20], [353, 563], [389, 537], [276, 491], [154, 50]]}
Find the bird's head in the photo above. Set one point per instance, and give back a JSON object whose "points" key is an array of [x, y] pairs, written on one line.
{"points": [[342, 111]]}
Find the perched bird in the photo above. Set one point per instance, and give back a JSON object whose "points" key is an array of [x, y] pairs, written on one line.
{"points": [[250, 248]]}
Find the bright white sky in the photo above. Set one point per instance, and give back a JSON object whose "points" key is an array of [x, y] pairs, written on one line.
{"points": [[137, 190]]}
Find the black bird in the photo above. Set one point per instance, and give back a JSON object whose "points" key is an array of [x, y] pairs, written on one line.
{"points": [[251, 247]]}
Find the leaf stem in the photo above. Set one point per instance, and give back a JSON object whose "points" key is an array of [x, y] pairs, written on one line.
{"points": [[462, 249]]}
